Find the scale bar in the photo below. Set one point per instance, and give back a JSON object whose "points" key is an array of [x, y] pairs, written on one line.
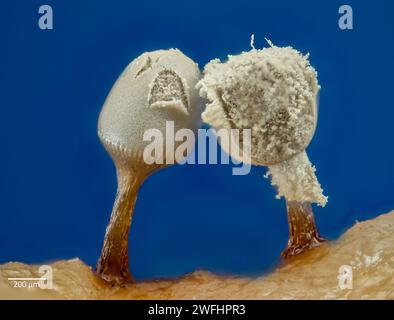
{"points": [[26, 279]]}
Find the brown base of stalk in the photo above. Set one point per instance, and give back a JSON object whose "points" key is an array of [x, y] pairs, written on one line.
{"points": [[303, 234], [113, 265]]}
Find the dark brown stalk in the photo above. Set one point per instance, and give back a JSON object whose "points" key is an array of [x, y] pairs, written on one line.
{"points": [[303, 234]]}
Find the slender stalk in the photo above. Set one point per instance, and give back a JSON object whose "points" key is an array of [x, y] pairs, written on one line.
{"points": [[303, 234], [113, 265]]}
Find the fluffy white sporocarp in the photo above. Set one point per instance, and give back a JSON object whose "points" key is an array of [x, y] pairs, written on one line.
{"points": [[273, 92]]}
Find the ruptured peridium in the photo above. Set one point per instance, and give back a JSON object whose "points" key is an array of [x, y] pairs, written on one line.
{"points": [[168, 88], [155, 88], [273, 92]]}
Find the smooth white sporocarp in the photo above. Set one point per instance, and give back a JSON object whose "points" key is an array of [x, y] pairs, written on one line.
{"points": [[156, 87]]}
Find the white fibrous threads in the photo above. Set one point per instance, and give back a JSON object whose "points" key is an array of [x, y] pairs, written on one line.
{"points": [[296, 180], [271, 91]]}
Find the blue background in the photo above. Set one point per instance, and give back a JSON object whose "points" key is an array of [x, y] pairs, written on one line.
{"points": [[57, 184]]}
